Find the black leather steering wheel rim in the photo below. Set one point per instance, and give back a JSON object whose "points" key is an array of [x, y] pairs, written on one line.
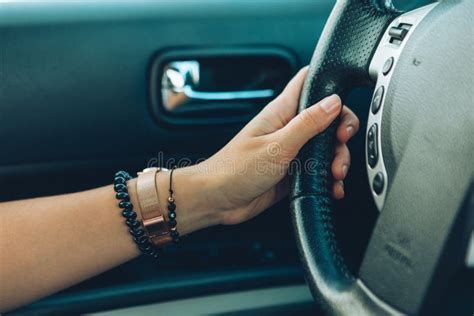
{"points": [[339, 64]]}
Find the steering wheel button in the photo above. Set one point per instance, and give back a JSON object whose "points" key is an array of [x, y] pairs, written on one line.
{"points": [[387, 66], [377, 100], [372, 151], [378, 183], [399, 32]]}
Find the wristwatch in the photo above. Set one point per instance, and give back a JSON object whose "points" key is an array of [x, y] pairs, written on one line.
{"points": [[154, 223]]}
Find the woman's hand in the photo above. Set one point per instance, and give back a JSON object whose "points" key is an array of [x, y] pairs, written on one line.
{"points": [[249, 174], [244, 178]]}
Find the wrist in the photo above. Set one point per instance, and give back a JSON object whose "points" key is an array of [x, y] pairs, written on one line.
{"points": [[194, 194]]}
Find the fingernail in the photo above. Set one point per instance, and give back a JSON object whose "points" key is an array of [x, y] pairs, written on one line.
{"points": [[344, 170], [330, 104], [350, 130]]}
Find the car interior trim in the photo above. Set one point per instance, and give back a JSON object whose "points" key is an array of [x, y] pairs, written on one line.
{"points": [[251, 302]]}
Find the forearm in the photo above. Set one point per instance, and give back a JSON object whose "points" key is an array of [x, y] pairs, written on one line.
{"points": [[48, 244]]}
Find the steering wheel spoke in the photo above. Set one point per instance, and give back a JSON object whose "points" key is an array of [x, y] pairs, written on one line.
{"points": [[410, 251], [413, 252]]}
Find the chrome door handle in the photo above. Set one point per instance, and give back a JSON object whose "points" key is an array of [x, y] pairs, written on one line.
{"points": [[180, 79], [228, 95]]}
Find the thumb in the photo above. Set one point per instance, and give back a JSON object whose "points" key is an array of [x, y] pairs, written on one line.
{"points": [[310, 122]]}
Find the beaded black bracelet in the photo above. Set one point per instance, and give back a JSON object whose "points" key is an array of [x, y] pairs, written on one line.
{"points": [[138, 234], [172, 222]]}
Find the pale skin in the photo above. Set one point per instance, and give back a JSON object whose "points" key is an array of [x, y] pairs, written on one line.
{"points": [[50, 243]]}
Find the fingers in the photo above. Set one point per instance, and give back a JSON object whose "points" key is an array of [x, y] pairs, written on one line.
{"points": [[347, 128], [309, 123], [282, 109], [338, 190], [341, 163], [291, 94], [339, 168], [349, 125]]}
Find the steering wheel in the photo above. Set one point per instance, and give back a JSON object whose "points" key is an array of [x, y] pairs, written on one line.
{"points": [[420, 154]]}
